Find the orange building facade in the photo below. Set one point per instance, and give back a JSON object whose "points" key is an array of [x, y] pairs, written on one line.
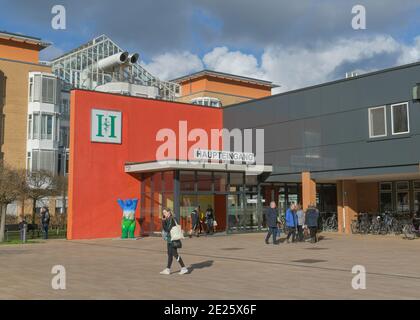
{"points": [[210, 86]]}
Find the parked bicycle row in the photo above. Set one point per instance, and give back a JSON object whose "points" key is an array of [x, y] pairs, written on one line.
{"points": [[384, 223]]}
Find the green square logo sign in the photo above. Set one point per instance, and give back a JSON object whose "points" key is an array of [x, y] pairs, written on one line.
{"points": [[106, 126]]}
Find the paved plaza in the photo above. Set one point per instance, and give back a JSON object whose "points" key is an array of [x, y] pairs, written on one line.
{"points": [[222, 267]]}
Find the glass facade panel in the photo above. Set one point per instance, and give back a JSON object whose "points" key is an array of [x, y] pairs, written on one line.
{"points": [[220, 181], [417, 202], [204, 181], [236, 182], [236, 215], [187, 180], [168, 178]]}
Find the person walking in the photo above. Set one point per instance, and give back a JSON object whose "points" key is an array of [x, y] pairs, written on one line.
{"points": [[195, 222], [291, 223], [45, 221], [311, 220], [202, 219], [210, 220], [169, 222], [300, 222], [271, 218], [23, 228]]}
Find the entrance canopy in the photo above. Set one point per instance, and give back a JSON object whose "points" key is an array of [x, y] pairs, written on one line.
{"points": [[186, 165]]}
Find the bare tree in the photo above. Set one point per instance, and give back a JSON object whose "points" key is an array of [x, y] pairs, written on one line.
{"points": [[61, 188], [12, 185], [41, 184]]}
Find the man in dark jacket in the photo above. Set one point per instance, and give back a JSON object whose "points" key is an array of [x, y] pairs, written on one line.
{"points": [[311, 220], [271, 218]]}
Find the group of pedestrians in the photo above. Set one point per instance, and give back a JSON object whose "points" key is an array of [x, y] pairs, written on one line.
{"points": [[202, 221], [297, 221]]}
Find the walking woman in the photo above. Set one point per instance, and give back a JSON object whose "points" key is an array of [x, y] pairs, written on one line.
{"points": [[300, 222], [168, 222]]}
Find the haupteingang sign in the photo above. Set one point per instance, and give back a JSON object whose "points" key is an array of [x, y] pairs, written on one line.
{"points": [[224, 156]]}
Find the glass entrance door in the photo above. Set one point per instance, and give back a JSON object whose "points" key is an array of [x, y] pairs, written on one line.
{"points": [[236, 217], [189, 202]]}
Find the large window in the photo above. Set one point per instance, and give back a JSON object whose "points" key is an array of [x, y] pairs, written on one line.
{"points": [[403, 197], [43, 160], [207, 101], [385, 196], [400, 118], [48, 90], [377, 122], [416, 185], [44, 89], [46, 126]]}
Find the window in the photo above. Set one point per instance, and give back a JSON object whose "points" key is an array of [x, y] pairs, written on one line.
{"points": [[67, 163], [386, 196], [204, 181], [187, 180], [35, 126], [48, 92], [377, 122], [207, 101], [400, 118], [403, 198], [64, 107], [31, 89], [46, 126], [30, 127], [416, 197], [37, 88], [28, 162]]}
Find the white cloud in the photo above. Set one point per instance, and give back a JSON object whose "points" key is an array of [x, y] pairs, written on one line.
{"points": [[172, 65], [294, 67], [235, 62], [410, 53]]}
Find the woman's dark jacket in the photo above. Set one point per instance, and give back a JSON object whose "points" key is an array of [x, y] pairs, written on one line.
{"points": [[167, 226]]}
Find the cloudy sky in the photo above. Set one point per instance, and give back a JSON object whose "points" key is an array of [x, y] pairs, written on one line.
{"points": [[293, 43]]}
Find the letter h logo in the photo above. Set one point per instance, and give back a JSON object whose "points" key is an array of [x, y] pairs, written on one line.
{"points": [[106, 126]]}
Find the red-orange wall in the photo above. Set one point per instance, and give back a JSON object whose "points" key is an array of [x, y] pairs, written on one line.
{"points": [[19, 51], [97, 178], [225, 86]]}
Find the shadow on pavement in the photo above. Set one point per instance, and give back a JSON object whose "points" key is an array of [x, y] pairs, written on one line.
{"points": [[201, 265]]}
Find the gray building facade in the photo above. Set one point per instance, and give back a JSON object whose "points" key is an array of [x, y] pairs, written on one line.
{"points": [[360, 135]]}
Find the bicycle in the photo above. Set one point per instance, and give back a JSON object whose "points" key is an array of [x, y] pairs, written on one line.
{"points": [[362, 224], [412, 231]]}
